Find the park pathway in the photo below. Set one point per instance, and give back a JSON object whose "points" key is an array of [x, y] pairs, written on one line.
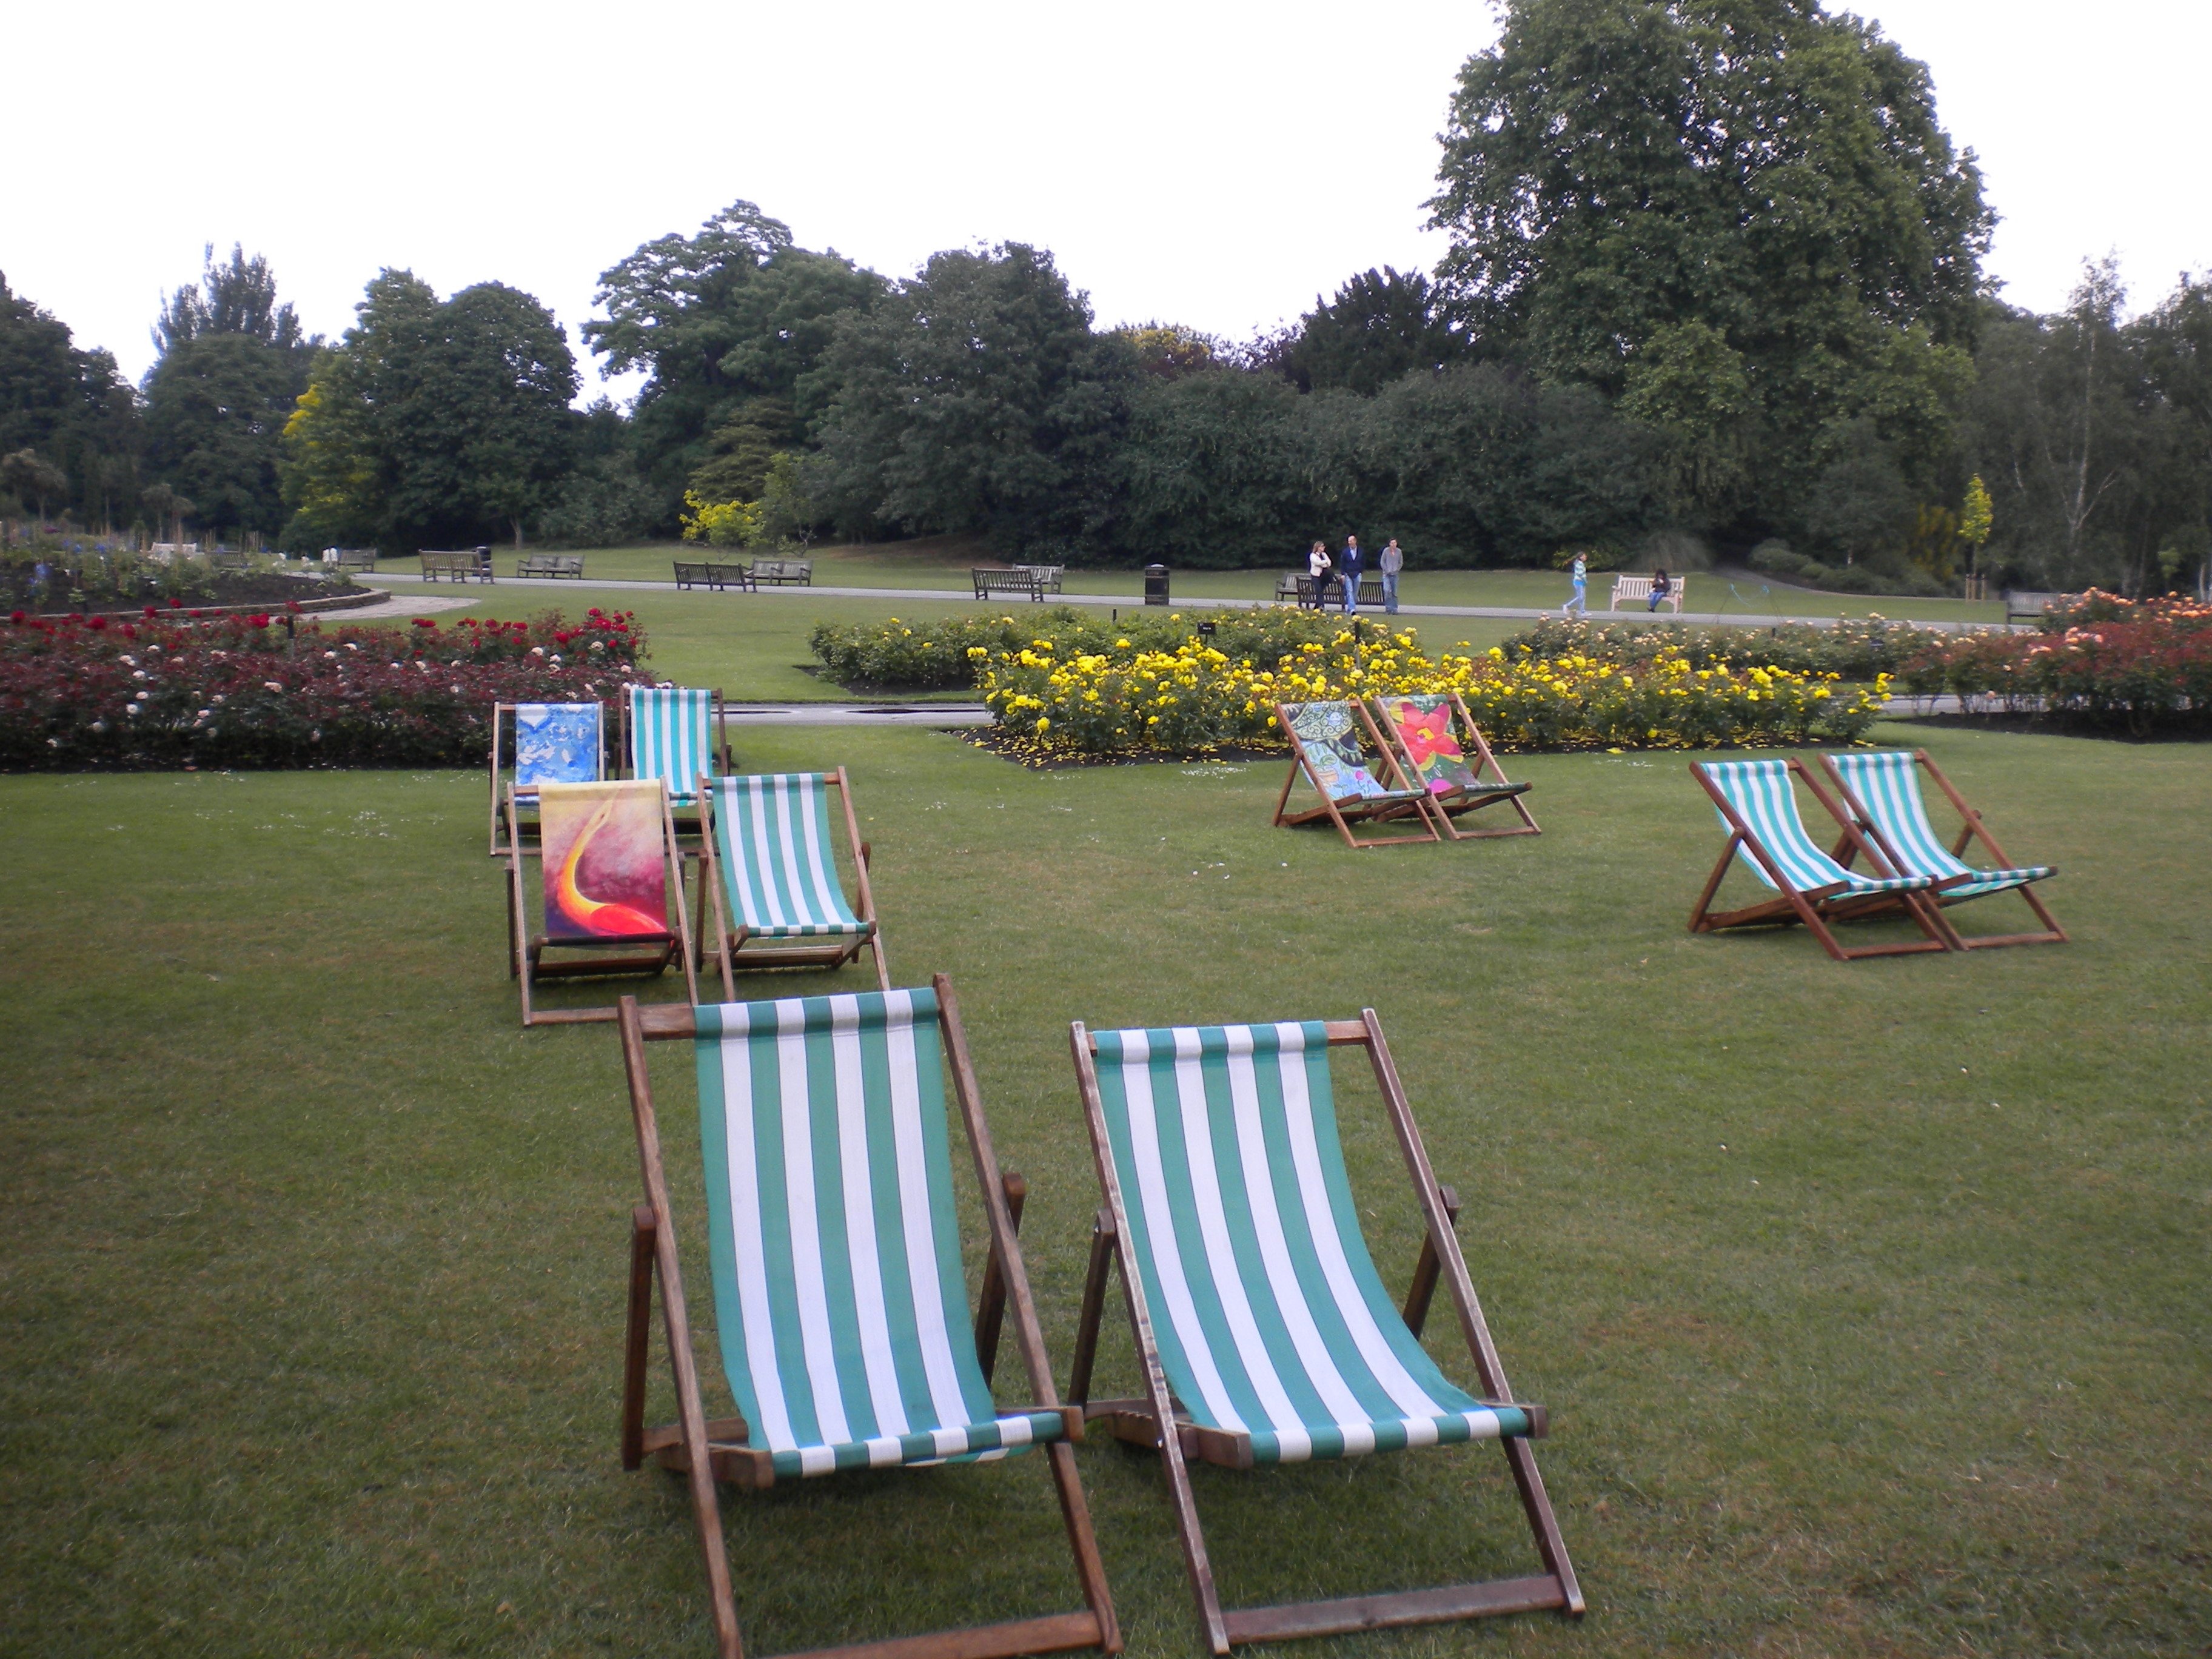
{"points": [[1136, 602]]}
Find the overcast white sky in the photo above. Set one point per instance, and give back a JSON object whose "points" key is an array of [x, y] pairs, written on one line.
{"points": [[1217, 162]]}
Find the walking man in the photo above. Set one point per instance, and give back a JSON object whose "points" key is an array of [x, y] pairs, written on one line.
{"points": [[1581, 600], [1347, 571], [1392, 561]]}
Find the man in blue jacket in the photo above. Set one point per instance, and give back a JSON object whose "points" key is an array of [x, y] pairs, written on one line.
{"points": [[1347, 568]]}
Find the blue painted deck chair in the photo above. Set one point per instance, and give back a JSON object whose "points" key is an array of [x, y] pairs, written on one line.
{"points": [[1337, 748], [839, 1299], [772, 875], [1883, 794], [551, 743], [678, 734], [1261, 1326], [1758, 806]]}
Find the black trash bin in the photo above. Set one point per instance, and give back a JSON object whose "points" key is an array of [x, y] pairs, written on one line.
{"points": [[1156, 584]]}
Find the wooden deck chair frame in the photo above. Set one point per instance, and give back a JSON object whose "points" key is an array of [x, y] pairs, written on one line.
{"points": [[1154, 1419], [1404, 804], [706, 1451], [502, 719], [718, 742], [1815, 907], [1446, 807], [526, 962], [731, 954], [1972, 829]]}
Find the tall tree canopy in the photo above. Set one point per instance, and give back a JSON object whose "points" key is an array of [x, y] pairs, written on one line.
{"points": [[1734, 209], [70, 407], [431, 422], [232, 366], [720, 320], [976, 397], [1381, 326]]}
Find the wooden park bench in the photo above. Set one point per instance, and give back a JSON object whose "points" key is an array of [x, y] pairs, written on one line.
{"points": [[460, 566], [223, 559], [1639, 587], [1026, 580], [1047, 575], [550, 564], [356, 558], [716, 577], [798, 572], [2021, 606], [1299, 587]]}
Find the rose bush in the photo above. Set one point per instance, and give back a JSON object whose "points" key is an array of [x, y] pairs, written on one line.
{"points": [[272, 691], [2140, 665]]}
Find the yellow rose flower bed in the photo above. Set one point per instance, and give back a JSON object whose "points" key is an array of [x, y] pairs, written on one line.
{"points": [[1195, 698]]}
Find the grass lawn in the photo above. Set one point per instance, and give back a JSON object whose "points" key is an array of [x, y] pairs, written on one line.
{"points": [[754, 647], [943, 561], [1869, 1299]]}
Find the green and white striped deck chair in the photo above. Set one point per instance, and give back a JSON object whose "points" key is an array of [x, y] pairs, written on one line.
{"points": [[773, 874], [834, 1245], [1882, 790], [671, 733], [1758, 806], [1266, 1334]]}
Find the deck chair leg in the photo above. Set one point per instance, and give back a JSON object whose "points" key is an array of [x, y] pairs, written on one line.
{"points": [[991, 1302], [1083, 1544], [1284, 798], [636, 1336], [1536, 1503], [1698, 922], [1094, 1309], [1177, 1471], [1423, 1290]]}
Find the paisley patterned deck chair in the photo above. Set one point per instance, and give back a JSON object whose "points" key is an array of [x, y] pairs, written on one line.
{"points": [[1262, 1328], [1336, 747], [840, 1304], [1432, 736], [1758, 806], [610, 888], [551, 743], [677, 734], [772, 877], [1883, 795]]}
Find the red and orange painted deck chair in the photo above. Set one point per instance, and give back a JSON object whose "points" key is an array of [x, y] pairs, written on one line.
{"points": [[1433, 735], [1335, 746], [611, 885]]}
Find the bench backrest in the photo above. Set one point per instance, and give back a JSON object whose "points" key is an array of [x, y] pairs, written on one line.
{"points": [[605, 860], [779, 871], [1425, 730], [670, 737], [558, 743], [1329, 732]]}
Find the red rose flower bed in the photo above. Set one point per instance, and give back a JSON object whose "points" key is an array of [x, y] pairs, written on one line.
{"points": [[172, 690], [2145, 667]]}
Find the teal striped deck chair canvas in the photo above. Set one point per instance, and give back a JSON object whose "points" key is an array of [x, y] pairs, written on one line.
{"points": [[1881, 788], [833, 1244], [1266, 1335], [1757, 801], [1336, 748], [671, 733], [772, 875]]}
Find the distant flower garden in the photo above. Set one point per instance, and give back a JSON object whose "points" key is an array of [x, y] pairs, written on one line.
{"points": [[2143, 666], [1196, 697], [271, 691]]}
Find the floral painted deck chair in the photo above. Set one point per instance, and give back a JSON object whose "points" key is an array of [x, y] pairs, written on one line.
{"points": [[1263, 1327], [1758, 806], [612, 886], [552, 743], [1336, 747], [772, 875], [1432, 735], [839, 1300], [677, 734], [1882, 792]]}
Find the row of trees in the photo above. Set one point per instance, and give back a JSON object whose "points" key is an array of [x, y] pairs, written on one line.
{"points": [[1715, 271]]}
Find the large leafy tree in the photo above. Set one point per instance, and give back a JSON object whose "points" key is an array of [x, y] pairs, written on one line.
{"points": [[1381, 325], [1742, 213], [976, 398], [736, 313], [433, 422], [69, 408], [233, 364]]}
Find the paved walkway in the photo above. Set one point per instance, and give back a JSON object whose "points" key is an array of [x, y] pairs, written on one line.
{"points": [[1136, 602]]}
